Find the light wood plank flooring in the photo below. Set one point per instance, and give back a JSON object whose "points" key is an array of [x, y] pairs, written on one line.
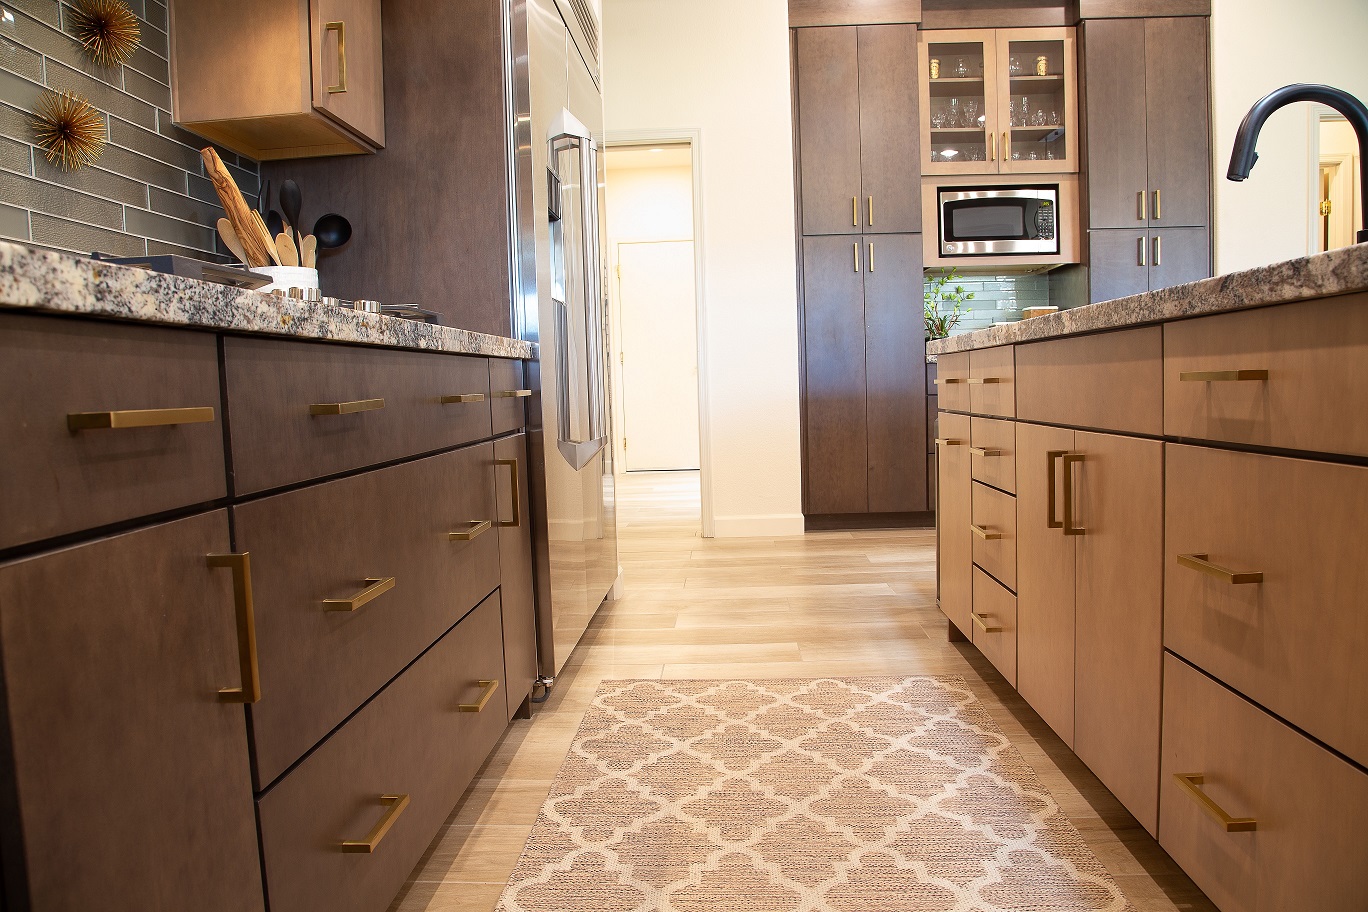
{"points": [[832, 603]]}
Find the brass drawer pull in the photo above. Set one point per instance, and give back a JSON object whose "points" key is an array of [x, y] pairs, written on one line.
{"points": [[1189, 783], [983, 625], [138, 418], [1158, 207], [241, 565], [396, 805], [983, 533], [1052, 457], [984, 451], [1070, 526], [375, 587], [341, 29], [855, 213], [950, 381], [346, 408], [948, 441], [463, 398], [871, 212], [1141, 209], [512, 394], [1222, 376], [980, 381], [1200, 563], [478, 706], [476, 529], [516, 522]]}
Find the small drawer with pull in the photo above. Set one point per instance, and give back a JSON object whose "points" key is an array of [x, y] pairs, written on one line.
{"points": [[995, 624], [341, 832], [992, 453], [509, 395], [104, 423], [952, 382], [994, 533], [383, 564], [992, 386], [1258, 815]]}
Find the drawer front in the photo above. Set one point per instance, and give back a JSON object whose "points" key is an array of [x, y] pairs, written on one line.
{"points": [[993, 453], [133, 776], [952, 381], [995, 624], [509, 395], [58, 480], [326, 542], [992, 382], [1295, 636], [993, 530], [1312, 354], [411, 740], [283, 397], [1112, 381], [1308, 806], [954, 512]]}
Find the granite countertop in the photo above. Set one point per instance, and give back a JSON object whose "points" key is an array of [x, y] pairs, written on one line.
{"points": [[1324, 275], [43, 281]]}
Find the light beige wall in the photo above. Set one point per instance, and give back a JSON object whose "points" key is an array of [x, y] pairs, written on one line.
{"points": [[722, 67], [1258, 46]]}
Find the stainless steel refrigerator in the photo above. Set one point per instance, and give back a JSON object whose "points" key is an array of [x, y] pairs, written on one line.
{"points": [[555, 106]]}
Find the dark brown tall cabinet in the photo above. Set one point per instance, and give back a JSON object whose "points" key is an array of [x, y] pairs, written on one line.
{"points": [[859, 216]]}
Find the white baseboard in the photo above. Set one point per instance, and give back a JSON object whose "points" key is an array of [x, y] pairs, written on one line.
{"points": [[774, 525]]}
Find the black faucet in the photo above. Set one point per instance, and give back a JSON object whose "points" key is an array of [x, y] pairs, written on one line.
{"points": [[1243, 156]]}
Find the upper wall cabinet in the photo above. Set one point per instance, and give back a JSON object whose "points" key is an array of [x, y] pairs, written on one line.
{"points": [[276, 79], [857, 146], [999, 101]]}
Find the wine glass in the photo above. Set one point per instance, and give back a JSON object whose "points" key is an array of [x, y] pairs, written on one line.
{"points": [[953, 117], [1025, 110], [971, 110], [1054, 118]]}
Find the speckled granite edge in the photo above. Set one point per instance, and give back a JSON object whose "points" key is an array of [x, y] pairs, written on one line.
{"points": [[1338, 272], [41, 280]]}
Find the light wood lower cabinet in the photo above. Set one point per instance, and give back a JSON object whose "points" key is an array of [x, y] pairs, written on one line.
{"points": [[956, 552], [994, 533], [1111, 381], [995, 624], [993, 453], [1297, 841]]}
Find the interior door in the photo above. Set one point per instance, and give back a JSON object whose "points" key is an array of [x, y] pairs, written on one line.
{"points": [[1118, 176], [659, 355], [348, 64], [829, 129], [889, 178], [1178, 124]]}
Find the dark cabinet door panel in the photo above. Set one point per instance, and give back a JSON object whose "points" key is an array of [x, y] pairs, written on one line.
{"points": [[133, 774], [829, 129], [1179, 255], [834, 368], [507, 402], [515, 561], [1178, 134], [1118, 263], [890, 178], [1114, 58], [895, 374]]}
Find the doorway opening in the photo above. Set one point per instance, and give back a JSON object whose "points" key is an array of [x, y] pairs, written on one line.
{"points": [[1337, 203], [655, 281]]}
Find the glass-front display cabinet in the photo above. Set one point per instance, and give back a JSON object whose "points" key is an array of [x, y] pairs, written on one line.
{"points": [[999, 101]]}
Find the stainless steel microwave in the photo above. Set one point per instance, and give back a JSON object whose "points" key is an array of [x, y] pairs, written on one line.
{"points": [[998, 221]]}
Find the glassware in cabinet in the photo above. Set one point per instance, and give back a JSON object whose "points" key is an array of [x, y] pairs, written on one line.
{"points": [[959, 114]]}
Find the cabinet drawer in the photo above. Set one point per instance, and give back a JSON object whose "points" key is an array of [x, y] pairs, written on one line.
{"points": [[336, 541], [58, 480], [1112, 381], [994, 533], [993, 453], [1308, 806], [1312, 355], [285, 399], [413, 740], [509, 395], [995, 624], [954, 512], [133, 777], [952, 381], [1296, 636], [992, 382]]}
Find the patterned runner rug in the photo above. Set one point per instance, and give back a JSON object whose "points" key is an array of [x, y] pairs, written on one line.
{"points": [[854, 795]]}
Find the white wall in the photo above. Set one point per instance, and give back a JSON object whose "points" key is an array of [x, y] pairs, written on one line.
{"points": [[722, 67], [1258, 46]]}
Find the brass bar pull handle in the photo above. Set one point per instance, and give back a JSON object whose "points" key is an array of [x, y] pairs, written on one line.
{"points": [[1158, 250], [947, 441], [950, 381], [346, 408], [1141, 208], [463, 398], [477, 528], [1222, 376], [1158, 206], [982, 624], [983, 533], [855, 211], [1141, 245], [138, 418], [982, 381], [479, 705], [1202, 564], [1052, 457], [517, 494], [341, 29], [857, 256], [871, 212], [984, 451], [1070, 525], [241, 565], [1191, 782], [375, 587], [395, 806], [992, 147], [512, 394], [1006, 148], [871, 257]]}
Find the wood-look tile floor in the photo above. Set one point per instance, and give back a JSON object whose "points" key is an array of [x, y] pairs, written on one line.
{"points": [[831, 603]]}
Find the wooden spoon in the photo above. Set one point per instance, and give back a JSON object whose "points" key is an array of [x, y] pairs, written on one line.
{"points": [[260, 224], [289, 256], [230, 238], [308, 252], [257, 244]]}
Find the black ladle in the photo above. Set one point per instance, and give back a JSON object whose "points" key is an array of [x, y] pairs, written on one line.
{"points": [[333, 231], [291, 201]]}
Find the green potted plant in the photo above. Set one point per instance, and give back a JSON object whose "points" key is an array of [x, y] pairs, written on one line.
{"points": [[942, 291]]}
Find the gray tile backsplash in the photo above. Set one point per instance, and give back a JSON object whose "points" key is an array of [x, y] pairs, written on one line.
{"points": [[147, 194], [1000, 298]]}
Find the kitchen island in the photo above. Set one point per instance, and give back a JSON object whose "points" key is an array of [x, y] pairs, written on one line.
{"points": [[1150, 514]]}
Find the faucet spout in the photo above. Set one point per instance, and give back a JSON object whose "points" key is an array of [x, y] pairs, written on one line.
{"points": [[1243, 156]]}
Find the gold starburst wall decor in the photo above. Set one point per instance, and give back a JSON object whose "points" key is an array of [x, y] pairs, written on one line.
{"points": [[107, 29], [69, 130]]}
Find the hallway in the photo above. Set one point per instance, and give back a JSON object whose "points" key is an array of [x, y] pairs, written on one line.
{"points": [[824, 604]]}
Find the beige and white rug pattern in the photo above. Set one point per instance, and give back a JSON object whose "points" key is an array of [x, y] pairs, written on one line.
{"points": [[827, 795]]}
